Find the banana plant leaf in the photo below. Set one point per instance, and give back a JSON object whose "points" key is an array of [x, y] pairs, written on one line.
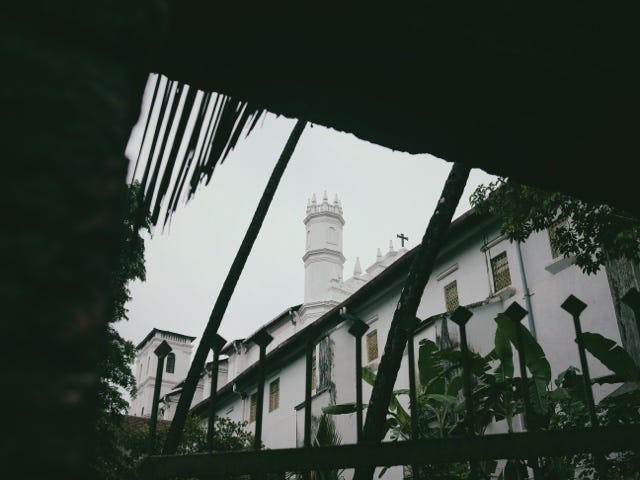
{"points": [[342, 409], [535, 359], [504, 354], [612, 356]]}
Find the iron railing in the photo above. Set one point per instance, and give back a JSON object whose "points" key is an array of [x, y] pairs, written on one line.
{"points": [[529, 445]]}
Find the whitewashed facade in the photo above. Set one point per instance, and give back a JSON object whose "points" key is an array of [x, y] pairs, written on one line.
{"points": [[145, 367], [477, 268]]}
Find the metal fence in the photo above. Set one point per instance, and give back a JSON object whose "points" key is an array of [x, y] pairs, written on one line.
{"points": [[529, 445]]}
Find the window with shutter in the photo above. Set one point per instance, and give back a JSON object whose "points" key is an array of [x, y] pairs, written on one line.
{"points": [[274, 395], [500, 270], [253, 407], [372, 346], [451, 296]]}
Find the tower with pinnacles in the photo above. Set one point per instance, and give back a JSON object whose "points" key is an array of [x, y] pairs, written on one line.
{"points": [[323, 257], [324, 286]]}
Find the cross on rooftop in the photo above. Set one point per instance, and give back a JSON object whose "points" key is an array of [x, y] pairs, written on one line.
{"points": [[402, 238]]}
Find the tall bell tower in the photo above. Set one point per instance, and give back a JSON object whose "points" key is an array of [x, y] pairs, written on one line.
{"points": [[323, 258]]}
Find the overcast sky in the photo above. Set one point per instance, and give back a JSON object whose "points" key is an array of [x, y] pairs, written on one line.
{"points": [[383, 193]]}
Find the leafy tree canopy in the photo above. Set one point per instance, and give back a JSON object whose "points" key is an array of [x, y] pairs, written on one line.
{"points": [[130, 445], [115, 367], [592, 233], [120, 353]]}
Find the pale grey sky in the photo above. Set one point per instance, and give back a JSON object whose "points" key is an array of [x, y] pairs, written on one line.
{"points": [[383, 193]]}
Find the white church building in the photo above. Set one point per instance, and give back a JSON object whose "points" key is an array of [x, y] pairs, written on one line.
{"points": [[477, 268]]}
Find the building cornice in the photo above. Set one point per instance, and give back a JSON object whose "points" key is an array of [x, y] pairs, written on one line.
{"points": [[152, 333], [323, 251], [324, 213]]}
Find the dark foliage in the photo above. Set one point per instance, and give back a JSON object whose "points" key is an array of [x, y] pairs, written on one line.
{"points": [[592, 232]]}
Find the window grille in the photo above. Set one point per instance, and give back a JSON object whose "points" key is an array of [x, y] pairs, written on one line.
{"points": [[500, 270], [451, 296], [274, 395], [372, 346], [553, 236], [171, 363], [253, 408]]}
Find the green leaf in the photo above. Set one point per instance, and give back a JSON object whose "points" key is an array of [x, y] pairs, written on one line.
{"points": [[368, 375], [436, 386], [612, 356], [607, 379], [538, 394], [504, 354], [455, 384], [327, 433], [572, 381], [535, 359], [427, 367], [566, 376], [559, 394], [444, 399], [341, 409]]}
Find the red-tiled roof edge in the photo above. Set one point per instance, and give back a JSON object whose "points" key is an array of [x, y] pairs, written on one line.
{"points": [[143, 421]]}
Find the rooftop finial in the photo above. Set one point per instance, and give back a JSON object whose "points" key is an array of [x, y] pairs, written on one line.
{"points": [[313, 199], [357, 270], [391, 245], [335, 200], [325, 199], [379, 255]]}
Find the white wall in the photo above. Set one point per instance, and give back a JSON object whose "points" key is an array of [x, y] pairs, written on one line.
{"points": [[145, 366], [468, 264]]}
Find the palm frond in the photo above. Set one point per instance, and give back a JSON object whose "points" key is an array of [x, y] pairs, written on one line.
{"points": [[187, 133]]}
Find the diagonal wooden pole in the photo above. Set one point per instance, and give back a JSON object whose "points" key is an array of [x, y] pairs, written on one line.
{"points": [[177, 425], [407, 308]]}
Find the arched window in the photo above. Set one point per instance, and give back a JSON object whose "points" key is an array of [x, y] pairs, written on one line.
{"points": [[171, 363]]}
